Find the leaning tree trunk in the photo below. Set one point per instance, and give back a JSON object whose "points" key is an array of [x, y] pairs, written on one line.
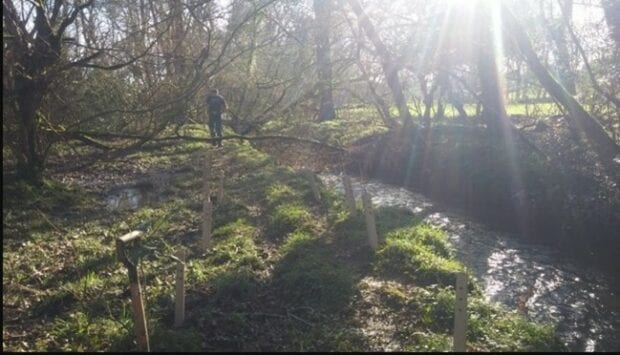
{"points": [[557, 29], [322, 13], [390, 69], [595, 85], [596, 136]]}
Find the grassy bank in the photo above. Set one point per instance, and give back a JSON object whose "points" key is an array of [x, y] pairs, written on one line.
{"points": [[544, 185], [285, 272]]}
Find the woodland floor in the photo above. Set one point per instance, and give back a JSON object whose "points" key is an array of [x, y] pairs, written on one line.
{"points": [[286, 272]]}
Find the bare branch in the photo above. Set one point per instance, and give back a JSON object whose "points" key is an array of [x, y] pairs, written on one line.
{"points": [[109, 135], [614, 100], [69, 19]]}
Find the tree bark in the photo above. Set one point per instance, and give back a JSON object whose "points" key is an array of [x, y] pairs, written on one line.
{"points": [[557, 29], [177, 38], [36, 54], [29, 99], [322, 13], [494, 108]]}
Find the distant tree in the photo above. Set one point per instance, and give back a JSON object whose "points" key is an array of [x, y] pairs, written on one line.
{"points": [[487, 60], [389, 65], [35, 59], [581, 121], [612, 17], [557, 27], [99, 72]]}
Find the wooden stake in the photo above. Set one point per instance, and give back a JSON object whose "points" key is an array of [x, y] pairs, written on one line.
{"points": [[207, 209], [220, 188], [137, 306], [371, 226], [349, 198], [460, 313], [179, 311]]}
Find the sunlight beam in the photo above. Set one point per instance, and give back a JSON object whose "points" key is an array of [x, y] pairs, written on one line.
{"points": [[518, 195]]}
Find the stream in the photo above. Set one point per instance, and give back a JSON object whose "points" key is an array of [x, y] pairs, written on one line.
{"points": [[579, 300]]}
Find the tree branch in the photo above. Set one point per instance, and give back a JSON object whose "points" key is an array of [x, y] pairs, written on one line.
{"points": [[108, 135], [69, 19], [614, 100]]}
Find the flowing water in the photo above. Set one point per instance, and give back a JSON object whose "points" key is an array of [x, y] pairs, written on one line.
{"points": [[531, 278]]}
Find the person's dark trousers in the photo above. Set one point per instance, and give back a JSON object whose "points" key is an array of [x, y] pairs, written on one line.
{"points": [[215, 127]]}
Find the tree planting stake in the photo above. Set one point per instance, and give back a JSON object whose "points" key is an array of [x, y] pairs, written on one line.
{"points": [[137, 305], [348, 195], [460, 313], [179, 311], [207, 209], [220, 189], [371, 226]]}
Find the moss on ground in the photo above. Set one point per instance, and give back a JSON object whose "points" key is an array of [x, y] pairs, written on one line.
{"points": [[285, 272]]}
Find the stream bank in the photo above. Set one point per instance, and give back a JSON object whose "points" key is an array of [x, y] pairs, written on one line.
{"points": [[554, 194], [533, 279]]}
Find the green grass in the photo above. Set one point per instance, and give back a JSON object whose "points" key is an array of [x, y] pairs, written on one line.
{"points": [[308, 275], [531, 110], [352, 124], [284, 274], [419, 254], [286, 218]]}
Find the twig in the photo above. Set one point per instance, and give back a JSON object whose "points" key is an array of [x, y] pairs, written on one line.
{"points": [[29, 289], [48, 221], [268, 315], [4, 218], [15, 336], [299, 319], [274, 315]]}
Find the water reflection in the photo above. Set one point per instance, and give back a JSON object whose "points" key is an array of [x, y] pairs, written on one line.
{"points": [[529, 278], [126, 198]]}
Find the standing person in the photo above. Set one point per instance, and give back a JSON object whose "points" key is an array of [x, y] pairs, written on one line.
{"points": [[215, 106]]}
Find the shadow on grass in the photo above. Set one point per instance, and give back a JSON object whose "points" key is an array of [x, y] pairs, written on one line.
{"points": [[306, 302], [54, 305], [300, 299], [75, 273], [304, 306]]}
